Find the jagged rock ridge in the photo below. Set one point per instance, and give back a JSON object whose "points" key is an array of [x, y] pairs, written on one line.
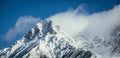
{"points": [[45, 40]]}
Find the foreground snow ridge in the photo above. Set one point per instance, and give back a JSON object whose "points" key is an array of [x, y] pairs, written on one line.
{"points": [[45, 40]]}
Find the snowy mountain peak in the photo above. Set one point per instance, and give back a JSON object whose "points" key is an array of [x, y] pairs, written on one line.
{"points": [[42, 28], [45, 40]]}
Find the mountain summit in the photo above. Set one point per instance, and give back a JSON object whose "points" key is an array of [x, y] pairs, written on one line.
{"points": [[45, 40]]}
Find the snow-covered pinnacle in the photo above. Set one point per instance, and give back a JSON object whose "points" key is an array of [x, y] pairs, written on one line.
{"points": [[45, 40], [42, 28]]}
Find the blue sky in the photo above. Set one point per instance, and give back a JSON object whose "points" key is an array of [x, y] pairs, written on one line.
{"points": [[11, 10]]}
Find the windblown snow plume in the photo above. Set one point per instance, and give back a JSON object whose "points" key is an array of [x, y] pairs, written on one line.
{"points": [[74, 22]]}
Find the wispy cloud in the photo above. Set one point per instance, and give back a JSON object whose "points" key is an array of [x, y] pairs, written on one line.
{"points": [[23, 24], [73, 21]]}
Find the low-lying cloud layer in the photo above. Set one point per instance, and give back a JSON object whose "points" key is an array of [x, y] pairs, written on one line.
{"points": [[22, 25]]}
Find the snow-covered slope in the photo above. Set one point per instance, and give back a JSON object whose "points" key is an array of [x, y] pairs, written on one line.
{"points": [[106, 45], [45, 40]]}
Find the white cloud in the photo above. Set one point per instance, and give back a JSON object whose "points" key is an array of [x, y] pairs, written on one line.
{"points": [[22, 25], [74, 22], [70, 22]]}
